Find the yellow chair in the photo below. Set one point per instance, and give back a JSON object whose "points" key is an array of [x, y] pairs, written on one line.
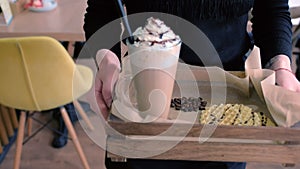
{"points": [[37, 74]]}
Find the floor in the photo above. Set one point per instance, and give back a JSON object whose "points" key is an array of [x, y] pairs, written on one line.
{"points": [[37, 152]]}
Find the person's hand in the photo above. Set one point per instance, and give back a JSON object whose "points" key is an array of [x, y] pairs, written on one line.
{"points": [[106, 78], [284, 75]]}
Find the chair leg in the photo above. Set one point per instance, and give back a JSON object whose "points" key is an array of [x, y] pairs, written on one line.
{"points": [[74, 137], [7, 121], [3, 133], [19, 142], [29, 124], [1, 149], [83, 114], [14, 118]]}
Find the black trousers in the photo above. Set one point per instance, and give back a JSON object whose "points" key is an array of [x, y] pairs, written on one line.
{"points": [[171, 164]]}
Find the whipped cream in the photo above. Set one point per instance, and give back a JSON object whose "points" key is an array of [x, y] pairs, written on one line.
{"points": [[155, 34]]}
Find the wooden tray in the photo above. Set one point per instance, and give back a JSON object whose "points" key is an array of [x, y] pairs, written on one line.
{"points": [[227, 143]]}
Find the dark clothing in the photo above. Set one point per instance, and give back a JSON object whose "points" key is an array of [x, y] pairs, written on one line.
{"points": [[271, 24], [172, 164], [224, 22]]}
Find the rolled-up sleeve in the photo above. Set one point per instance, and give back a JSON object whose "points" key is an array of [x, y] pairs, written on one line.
{"points": [[272, 28]]}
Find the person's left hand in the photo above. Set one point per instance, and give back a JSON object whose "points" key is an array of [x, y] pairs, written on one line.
{"points": [[284, 75]]}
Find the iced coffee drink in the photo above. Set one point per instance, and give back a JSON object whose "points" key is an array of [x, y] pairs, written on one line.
{"points": [[153, 57]]}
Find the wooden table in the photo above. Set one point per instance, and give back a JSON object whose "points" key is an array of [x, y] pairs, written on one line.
{"points": [[64, 23]]}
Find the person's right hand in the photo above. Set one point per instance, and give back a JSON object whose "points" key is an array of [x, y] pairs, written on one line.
{"points": [[284, 77], [106, 78]]}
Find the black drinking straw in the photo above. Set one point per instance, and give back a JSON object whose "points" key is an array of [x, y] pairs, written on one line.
{"points": [[125, 19]]}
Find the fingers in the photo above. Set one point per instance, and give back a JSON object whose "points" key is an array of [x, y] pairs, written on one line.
{"points": [[109, 68], [99, 97], [106, 57], [108, 86], [284, 77], [287, 80], [100, 55], [103, 108]]}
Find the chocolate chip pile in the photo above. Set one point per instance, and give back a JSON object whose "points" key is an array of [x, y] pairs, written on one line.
{"points": [[188, 104]]}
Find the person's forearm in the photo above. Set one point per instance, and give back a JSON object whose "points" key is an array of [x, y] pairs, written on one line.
{"points": [[272, 28]]}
